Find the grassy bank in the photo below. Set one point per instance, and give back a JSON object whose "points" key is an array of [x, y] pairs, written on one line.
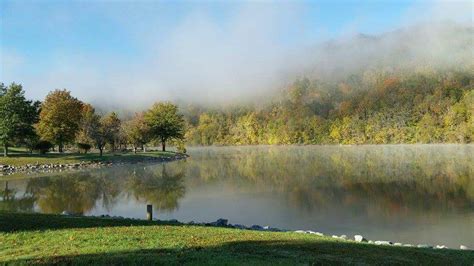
{"points": [[21, 158], [38, 238]]}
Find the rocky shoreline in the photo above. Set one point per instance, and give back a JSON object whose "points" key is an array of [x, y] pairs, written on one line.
{"points": [[49, 168], [225, 223]]}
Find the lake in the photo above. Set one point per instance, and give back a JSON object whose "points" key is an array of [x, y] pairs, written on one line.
{"points": [[402, 193]]}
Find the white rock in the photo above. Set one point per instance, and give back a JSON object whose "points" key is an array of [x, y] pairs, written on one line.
{"points": [[343, 237], [315, 233], [397, 244], [300, 231], [441, 247], [424, 246], [359, 238], [379, 242], [463, 247]]}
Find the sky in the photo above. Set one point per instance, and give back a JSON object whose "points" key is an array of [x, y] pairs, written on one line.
{"points": [[138, 52]]}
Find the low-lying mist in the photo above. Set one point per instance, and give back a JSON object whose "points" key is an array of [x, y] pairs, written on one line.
{"points": [[258, 51]]}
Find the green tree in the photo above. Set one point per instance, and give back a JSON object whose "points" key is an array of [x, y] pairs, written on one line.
{"points": [[17, 115], [111, 126], [165, 122], [60, 118], [88, 120], [98, 133], [137, 131]]}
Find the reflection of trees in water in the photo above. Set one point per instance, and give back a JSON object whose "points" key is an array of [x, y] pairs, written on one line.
{"points": [[159, 186], [390, 178], [11, 202], [383, 179], [80, 192], [76, 193]]}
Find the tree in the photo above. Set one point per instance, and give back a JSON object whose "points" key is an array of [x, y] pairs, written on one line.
{"points": [[111, 129], [137, 131], [98, 133], [88, 119], [92, 130], [17, 115], [60, 118], [165, 122]]}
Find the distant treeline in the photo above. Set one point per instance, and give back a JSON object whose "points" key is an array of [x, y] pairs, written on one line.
{"points": [[374, 107]]}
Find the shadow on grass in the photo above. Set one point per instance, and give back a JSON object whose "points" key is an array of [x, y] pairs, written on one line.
{"points": [[16, 222], [280, 252]]}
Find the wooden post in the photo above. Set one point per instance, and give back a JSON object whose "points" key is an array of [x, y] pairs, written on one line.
{"points": [[149, 212]]}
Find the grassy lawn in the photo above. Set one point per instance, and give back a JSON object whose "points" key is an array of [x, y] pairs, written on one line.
{"points": [[20, 158], [38, 238]]}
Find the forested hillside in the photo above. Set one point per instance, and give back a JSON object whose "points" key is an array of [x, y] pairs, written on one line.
{"points": [[422, 106]]}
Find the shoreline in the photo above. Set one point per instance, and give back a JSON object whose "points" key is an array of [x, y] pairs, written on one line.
{"points": [[85, 240], [224, 223], [109, 161], [107, 241]]}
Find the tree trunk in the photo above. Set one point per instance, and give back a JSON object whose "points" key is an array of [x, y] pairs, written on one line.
{"points": [[163, 145], [5, 150], [100, 151], [60, 148], [134, 149]]}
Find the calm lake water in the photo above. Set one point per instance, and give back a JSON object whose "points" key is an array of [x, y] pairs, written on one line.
{"points": [[403, 193]]}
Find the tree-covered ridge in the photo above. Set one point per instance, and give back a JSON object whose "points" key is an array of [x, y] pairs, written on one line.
{"points": [[375, 107]]}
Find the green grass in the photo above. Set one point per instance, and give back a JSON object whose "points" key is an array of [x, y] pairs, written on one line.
{"points": [[19, 159], [47, 239]]}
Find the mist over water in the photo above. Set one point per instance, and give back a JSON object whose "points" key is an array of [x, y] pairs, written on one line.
{"points": [[259, 49], [402, 193]]}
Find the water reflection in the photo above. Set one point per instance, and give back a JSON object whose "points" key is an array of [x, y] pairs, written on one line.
{"points": [[159, 187], [427, 191], [11, 202], [79, 193]]}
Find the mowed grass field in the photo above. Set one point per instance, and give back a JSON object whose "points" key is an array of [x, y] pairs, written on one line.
{"points": [[47, 239]]}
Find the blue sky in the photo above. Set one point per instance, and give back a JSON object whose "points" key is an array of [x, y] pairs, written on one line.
{"points": [[54, 44]]}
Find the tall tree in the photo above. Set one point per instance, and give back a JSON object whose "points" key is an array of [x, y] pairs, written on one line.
{"points": [[137, 131], [98, 133], [17, 115], [165, 122], [111, 128], [60, 117], [88, 121]]}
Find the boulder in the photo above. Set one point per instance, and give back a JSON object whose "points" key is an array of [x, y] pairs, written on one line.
{"points": [[240, 226], [315, 233], [256, 227], [463, 247], [424, 246], [359, 238], [381, 242], [220, 222]]}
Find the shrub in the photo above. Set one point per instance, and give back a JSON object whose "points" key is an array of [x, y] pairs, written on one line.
{"points": [[84, 147], [43, 146]]}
